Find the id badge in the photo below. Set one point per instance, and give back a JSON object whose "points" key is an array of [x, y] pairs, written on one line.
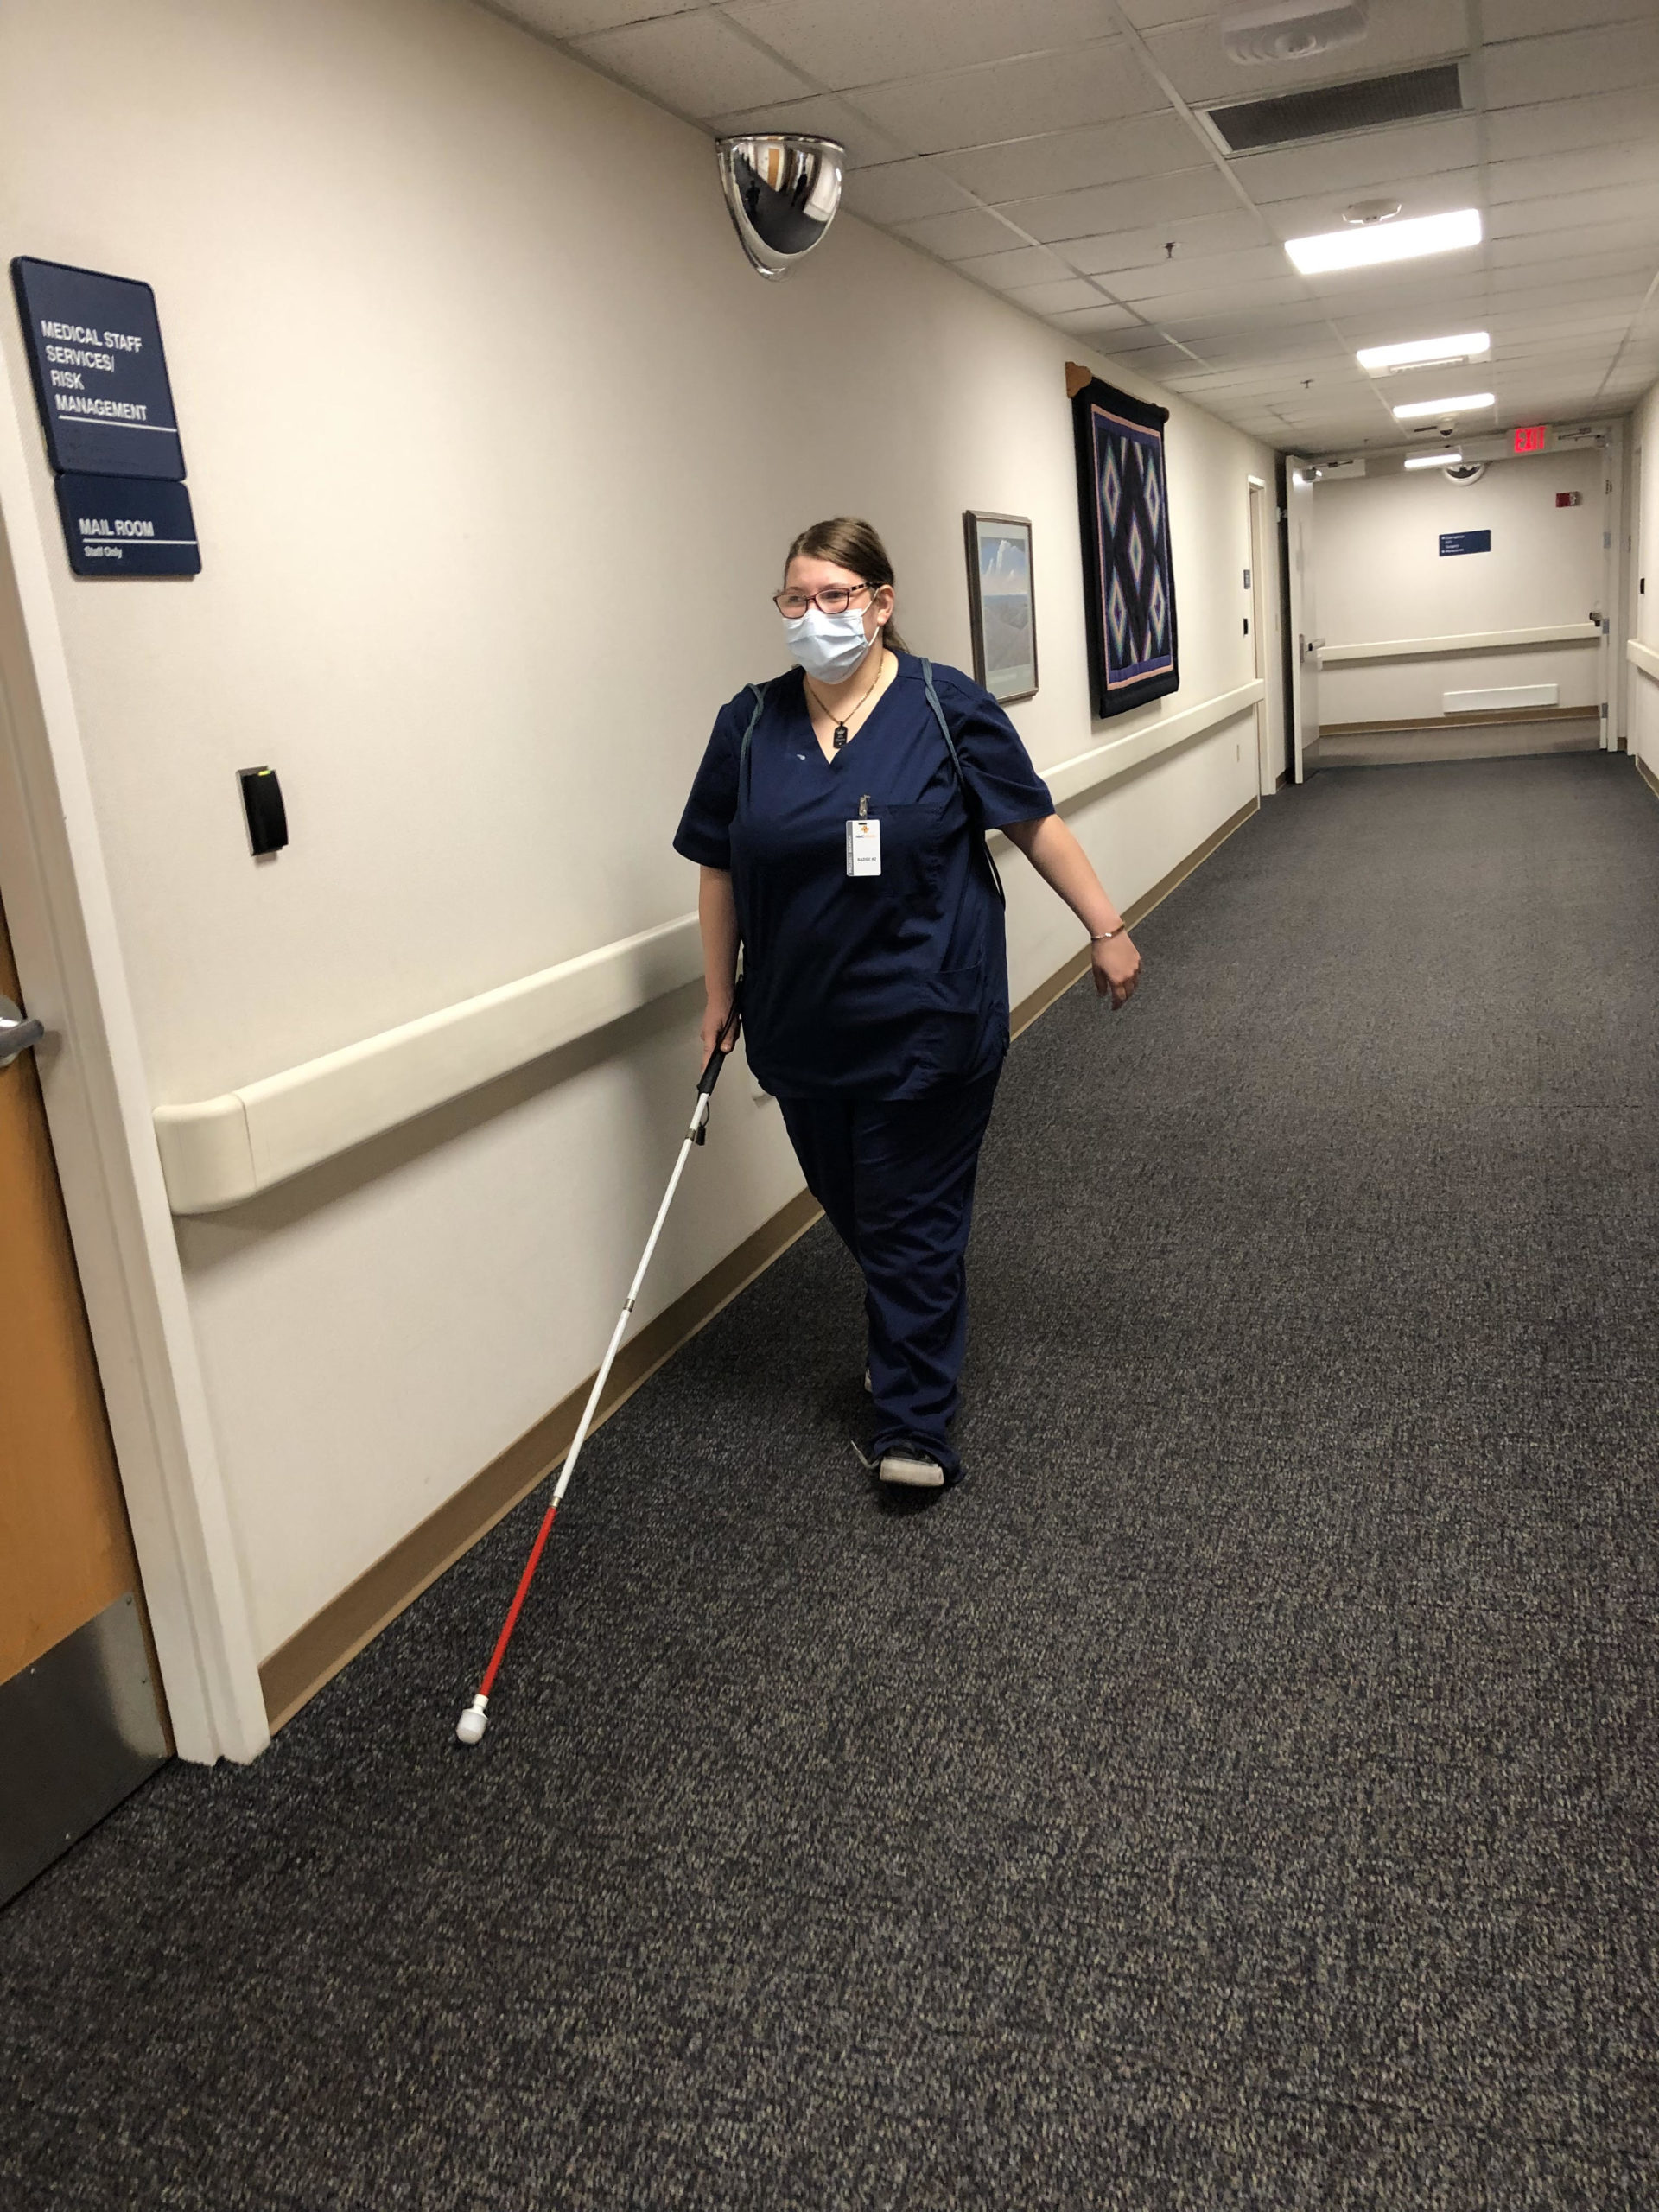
{"points": [[864, 846]]}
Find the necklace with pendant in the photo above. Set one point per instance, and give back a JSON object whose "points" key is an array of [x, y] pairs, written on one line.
{"points": [[838, 737]]}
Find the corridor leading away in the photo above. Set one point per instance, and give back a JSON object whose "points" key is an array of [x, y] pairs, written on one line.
{"points": [[1242, 1792]]}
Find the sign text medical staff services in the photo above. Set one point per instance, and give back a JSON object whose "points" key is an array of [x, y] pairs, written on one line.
{"points": [[107, 411]]}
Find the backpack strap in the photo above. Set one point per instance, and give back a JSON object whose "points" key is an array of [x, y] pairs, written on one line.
{"points": [[759, 691], [956, 762]]}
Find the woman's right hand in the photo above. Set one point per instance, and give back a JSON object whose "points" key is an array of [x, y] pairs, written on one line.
{"points": [[716, 1016]]}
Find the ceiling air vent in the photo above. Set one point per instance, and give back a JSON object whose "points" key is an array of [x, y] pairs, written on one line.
{"points": [[1328, 111]]}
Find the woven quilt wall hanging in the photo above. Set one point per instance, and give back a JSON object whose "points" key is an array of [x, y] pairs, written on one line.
{"points": [[1129, 581]]}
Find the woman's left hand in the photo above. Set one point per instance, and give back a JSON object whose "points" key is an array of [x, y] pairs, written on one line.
{"points": [[1117, 969]]}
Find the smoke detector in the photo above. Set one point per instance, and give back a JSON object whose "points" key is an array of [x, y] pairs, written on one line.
{"points": [[1364, 214], [1294, 30]]}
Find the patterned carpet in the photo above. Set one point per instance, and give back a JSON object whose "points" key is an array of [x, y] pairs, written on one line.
{"points": [[1241, 1792]]}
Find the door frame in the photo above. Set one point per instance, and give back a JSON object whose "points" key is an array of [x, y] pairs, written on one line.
{"points": [[1301, 653], [1267, 776], [64, 937], [1613, 604]]}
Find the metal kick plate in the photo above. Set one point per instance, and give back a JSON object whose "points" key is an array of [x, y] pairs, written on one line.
{"points": [[80, 1730]]}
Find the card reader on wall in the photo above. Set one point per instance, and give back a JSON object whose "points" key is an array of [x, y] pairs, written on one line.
{"points": [[262, 801]]}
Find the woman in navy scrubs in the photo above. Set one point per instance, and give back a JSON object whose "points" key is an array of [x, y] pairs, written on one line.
{"points": [[838, 822]]}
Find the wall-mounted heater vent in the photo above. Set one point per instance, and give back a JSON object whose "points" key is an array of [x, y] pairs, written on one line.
{"points": [[1328, 111]]}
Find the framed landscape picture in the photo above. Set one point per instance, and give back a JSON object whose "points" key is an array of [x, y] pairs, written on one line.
{"points": [[1001, 609]]}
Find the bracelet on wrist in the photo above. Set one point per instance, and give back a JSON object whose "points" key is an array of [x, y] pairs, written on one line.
{"points": [[1100, 936]]}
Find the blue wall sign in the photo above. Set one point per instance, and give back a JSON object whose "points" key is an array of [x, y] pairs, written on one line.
{"points": [[1465, 541], [100, 376], [128, 526]]}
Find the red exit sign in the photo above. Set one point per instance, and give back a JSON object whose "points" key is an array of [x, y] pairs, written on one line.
{"points": [[1533, 438]]}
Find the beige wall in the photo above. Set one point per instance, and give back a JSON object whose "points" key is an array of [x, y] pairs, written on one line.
{"points": [[1381, 575], [494, 439]]}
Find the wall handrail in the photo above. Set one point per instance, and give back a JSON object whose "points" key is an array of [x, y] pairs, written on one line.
{"points": [[1646, 657], [218, 1151], [1471, 641]]}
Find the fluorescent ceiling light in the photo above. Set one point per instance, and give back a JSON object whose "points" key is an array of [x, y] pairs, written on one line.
{"points": [[1424, 352], [1432, 459], [1364, 247], [1467, 402]]}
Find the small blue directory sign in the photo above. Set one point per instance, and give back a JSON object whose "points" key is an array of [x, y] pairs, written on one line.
{"points": [[100, 375], [1464, 540], [128, 526]]}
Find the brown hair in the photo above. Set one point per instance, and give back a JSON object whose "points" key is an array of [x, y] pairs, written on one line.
{"points": [[849, 543]]}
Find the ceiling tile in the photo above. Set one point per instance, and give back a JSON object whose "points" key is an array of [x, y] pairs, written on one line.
{"points": [[1069, 295], [1069, 160], [1143, 203], [1215, 302], [570, 18], [1232, 274], [1364, 162], [1606, 60], [1406, 35], [1616, 268], [874, 41], [1031, 264], [958, 236], [1549, 242], [1556, 126], [694, 63], [1618, 209], [902, 192], [1277, 363], [1128, 250], [1149, 361], [977, 107], [826, 115], [1153, 15], [1260, 346], [1587, 169], [1125, 335], [1206, 236], [1508, 19]]}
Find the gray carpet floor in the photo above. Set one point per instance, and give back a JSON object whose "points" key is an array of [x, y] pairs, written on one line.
{"points": [[1241, 1792]]}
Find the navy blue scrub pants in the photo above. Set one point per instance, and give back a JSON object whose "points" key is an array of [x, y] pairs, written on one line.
{"points": [[896, 1178]]}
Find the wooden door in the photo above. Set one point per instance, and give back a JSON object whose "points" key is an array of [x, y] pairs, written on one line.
{"points": [[80, 1717]]}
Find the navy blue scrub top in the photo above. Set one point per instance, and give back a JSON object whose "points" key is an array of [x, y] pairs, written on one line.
{"points": [[872, 987]]}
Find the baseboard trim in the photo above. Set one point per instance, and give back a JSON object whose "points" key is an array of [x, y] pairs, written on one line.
{"points": [[1039, 1000], [1462, 721], [297, 1670], [1646, 773]]}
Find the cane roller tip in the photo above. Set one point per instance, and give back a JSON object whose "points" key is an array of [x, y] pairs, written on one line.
{"points": [[471, 1724]]}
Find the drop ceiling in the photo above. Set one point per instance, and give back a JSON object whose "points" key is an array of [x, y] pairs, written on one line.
{"points": [[1055, 152]]}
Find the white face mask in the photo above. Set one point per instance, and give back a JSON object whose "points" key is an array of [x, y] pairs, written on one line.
{"points": [[829, 647]]}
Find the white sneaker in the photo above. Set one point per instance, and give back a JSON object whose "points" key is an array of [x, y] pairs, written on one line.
{"points": [[912, 1473]]}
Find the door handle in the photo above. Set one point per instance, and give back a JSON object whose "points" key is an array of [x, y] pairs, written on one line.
{"points": [[17, 1034]]}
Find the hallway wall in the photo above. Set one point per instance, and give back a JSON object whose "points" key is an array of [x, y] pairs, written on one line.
{"points": [[1381, 575], [494, 442]]}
